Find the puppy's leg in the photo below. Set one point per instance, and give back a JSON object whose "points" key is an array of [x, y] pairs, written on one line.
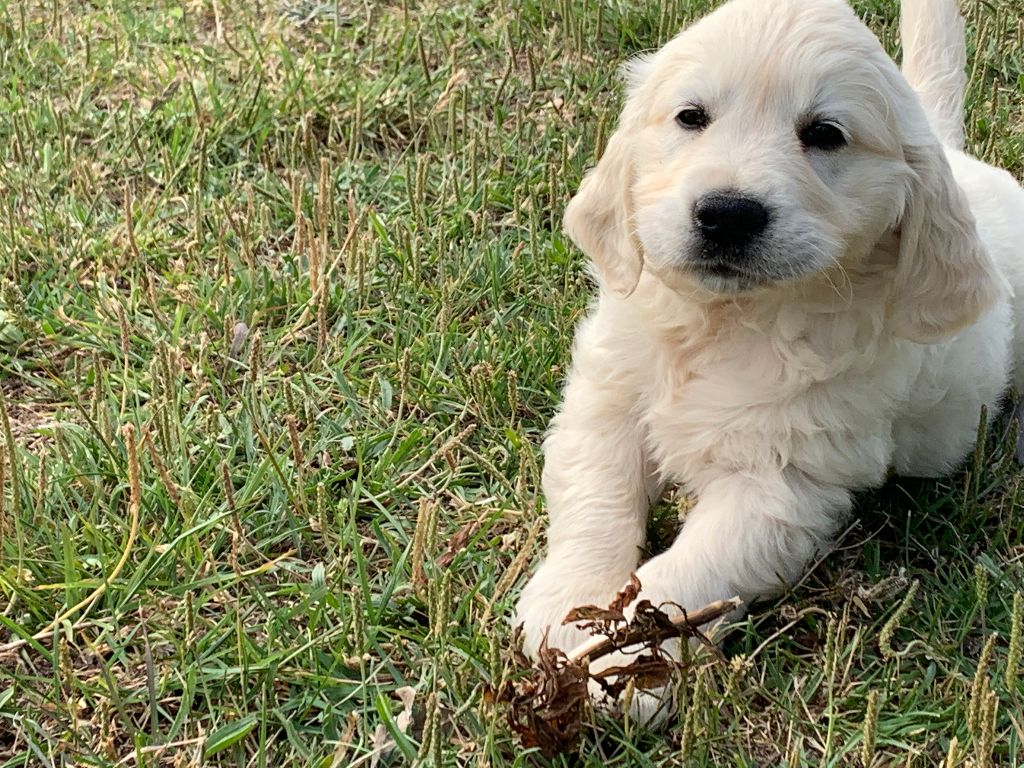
{"points": [[597, 489], [747, 535]]}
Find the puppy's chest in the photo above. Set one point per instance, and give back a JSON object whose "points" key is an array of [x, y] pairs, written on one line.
{"points": [[757, 400]]}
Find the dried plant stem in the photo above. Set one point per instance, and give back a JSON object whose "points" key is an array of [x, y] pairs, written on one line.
{"points": [[129, 223], [688, 623], [161, 468]]}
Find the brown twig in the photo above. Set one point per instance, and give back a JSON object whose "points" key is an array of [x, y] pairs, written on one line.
{"points": [[686, 625]]}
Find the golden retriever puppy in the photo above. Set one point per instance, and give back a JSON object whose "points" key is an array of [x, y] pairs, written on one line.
{"points": [[804, 283]]}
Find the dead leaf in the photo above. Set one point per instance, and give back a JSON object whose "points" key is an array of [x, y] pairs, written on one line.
{"points": [[627, 594], [592, 613], [458, 543], [344, 742], [407, 695], [546, 708], [382, 744], [648, 672], [615, 612]]}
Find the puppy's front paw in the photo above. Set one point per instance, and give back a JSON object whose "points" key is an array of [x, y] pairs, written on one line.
{"points": [[546, 601]]}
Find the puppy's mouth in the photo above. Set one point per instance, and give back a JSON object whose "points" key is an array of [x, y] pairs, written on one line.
{"points": [[725, 276], [719, 269]]}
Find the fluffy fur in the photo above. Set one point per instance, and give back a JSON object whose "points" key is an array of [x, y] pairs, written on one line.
{"points": [[873, 319]]}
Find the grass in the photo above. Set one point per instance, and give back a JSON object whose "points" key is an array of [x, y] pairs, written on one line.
{"points": [[311, 253]]}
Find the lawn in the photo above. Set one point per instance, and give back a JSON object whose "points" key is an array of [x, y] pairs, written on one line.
{"points": [[285, 309]]}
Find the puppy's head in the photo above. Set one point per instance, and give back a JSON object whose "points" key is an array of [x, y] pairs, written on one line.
{"points": [[774, 142]]}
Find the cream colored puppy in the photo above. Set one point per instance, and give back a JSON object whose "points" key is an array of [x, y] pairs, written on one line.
{"points": [[803, 284]]}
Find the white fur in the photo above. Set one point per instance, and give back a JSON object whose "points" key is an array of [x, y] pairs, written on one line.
{"points": [[887, 323]]}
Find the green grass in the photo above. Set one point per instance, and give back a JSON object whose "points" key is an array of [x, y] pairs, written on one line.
{"points": [[312, 253]]}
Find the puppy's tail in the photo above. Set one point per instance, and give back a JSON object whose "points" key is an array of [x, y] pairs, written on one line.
{"points": [[935, 62]]}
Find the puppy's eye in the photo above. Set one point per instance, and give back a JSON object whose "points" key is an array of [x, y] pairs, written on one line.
{"points": [[822, 135], [693, 118]]}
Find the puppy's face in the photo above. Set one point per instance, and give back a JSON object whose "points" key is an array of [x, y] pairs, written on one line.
{"points": [[775, 140], [760, 146], [765, 146]]}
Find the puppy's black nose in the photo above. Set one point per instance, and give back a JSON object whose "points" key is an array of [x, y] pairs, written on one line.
{"points": [[729, 218]]}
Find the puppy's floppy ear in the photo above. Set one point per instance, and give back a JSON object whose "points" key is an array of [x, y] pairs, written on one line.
{"points": [[599, 218], [945, 279]]}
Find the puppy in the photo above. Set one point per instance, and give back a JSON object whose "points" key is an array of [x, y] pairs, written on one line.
{"points": [[804, 283]]}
